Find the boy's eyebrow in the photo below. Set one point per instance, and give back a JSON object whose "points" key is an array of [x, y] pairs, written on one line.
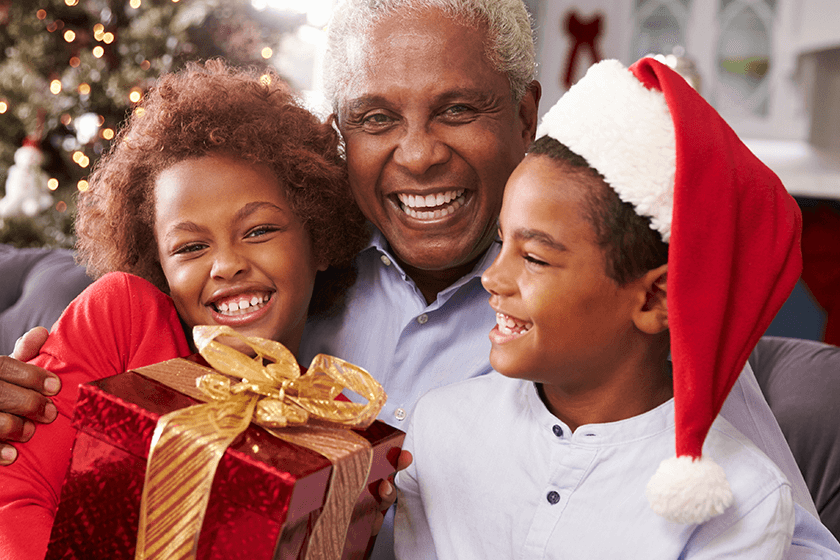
{"points": [[540, 237]]}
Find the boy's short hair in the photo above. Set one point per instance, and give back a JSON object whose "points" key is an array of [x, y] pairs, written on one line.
{"points": [[207, 109], [631, 247]]}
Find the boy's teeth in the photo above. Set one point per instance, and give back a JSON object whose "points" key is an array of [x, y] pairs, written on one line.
{"points": [[433, 205], [509, 325]]}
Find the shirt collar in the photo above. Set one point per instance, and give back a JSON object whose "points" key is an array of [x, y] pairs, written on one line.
{"points": [[379, 244]]}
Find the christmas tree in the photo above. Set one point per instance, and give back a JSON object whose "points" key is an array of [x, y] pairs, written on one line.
{"points": [[71, 70]]}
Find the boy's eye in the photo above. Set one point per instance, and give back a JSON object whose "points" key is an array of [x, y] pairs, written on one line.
{"points": [[533, 260]]}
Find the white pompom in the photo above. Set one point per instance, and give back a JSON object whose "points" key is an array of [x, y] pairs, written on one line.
{"points": [[689, 491]]}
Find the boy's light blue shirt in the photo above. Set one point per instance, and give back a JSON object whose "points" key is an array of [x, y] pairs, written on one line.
{"points": [[411, 348], [496, 475]]}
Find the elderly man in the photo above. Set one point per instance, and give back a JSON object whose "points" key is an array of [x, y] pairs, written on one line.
{"points": [[437, 103]]}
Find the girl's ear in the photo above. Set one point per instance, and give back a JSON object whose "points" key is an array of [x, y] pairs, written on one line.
{"points": [[651, 316]]}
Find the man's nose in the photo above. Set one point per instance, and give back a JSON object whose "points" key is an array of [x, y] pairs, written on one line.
{"points": [[420, 149]]}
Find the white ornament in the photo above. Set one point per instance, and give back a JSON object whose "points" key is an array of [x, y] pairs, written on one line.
{"points": [[27, 193]]}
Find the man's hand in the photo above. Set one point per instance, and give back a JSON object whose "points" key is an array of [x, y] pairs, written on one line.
{"points": [[24, 389], [387, 492]]}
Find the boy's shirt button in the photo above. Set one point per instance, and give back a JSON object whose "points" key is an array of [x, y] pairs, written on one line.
{"points": [[552, 497], [558, 430], [422, 319], [385, 260]]}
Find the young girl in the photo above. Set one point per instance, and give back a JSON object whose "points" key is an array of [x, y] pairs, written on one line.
{"points": [[222, 202]]}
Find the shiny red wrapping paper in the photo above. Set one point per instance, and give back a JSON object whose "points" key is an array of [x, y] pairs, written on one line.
{"points": [[266, 494]]}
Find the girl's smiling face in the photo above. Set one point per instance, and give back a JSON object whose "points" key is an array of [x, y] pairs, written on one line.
{"points": [[232, 250]]}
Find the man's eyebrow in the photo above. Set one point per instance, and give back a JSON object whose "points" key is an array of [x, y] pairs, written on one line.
{"points": [[540, 237], [472, 95]]}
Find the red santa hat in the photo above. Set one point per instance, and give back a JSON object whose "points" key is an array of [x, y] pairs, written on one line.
{"points": [[733, 234]]}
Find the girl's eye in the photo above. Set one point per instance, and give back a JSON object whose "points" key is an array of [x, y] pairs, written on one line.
{"points": [[260, 231], [188, 248]]}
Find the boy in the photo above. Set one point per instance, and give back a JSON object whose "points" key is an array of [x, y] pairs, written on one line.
{"points": [[624, 240]]}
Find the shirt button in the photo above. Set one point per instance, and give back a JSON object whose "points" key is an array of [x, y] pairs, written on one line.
{"points": [[422, 319], [558, 430], [385, 260], [399, 414], [552, 497]]}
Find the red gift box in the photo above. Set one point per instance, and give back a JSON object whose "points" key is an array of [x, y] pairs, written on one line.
{"points": [[265, 498]]}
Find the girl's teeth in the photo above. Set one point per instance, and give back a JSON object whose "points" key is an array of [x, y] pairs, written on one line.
{"points": [[234, 306]]}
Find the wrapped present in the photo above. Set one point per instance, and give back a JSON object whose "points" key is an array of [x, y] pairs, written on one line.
{"points": [[131, 489]]}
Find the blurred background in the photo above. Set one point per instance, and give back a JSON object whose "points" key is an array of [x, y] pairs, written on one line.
{"points": [[71, 70]]}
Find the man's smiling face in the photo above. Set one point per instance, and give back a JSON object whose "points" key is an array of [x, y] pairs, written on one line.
{"points": [[432, 134]]}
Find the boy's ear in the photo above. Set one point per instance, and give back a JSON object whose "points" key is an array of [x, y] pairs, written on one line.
{"points": [[651, 316]]}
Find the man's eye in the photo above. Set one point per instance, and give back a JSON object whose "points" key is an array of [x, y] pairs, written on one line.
{"points": [[376, 119]]}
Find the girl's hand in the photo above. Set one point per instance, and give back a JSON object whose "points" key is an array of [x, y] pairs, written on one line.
{"points": [[387, 492]]}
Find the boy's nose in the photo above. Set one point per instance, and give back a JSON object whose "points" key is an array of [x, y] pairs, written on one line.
{"points": [[493, 278]]}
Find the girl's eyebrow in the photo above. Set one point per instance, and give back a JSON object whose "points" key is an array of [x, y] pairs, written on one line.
{"points": [[525, 234], [242, 213]]}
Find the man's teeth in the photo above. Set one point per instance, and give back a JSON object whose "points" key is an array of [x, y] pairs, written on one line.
{"points": [[509, 325], [432, 205], [242, 305]]}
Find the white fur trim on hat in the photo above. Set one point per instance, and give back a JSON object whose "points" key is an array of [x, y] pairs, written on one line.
{"points": [[688, 490], [625, 131]]}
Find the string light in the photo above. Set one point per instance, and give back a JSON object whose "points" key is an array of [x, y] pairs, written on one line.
{"points": [[108, 38], [134, 3], [3, 107], [61, 206], [69, 35], [52, 184], [98, 31], [98, 51], [75, 62], [71, 3], [82, 185], [145, 65], [66, 119], [135, 95], [84, 89], [55, 87], [266, 52], [107, 133], [41, 14]]}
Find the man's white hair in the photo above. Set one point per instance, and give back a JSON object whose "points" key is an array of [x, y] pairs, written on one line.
{"points": [[510, 46]]}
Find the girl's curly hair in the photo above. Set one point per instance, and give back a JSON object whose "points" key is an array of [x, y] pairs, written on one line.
{"points": [[212, 108]]}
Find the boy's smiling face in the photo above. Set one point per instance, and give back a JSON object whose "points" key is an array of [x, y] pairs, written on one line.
{"points": [[232, 250], [561, 320]]}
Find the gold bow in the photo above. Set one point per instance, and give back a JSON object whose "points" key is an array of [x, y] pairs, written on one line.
{"points": [[188, 444]]}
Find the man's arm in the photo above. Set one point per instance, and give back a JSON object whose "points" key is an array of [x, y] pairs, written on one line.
{"points": [[24, 392]]}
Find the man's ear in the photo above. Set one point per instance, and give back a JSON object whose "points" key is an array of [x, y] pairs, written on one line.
{"points": [[651, 316], [529, 112]]}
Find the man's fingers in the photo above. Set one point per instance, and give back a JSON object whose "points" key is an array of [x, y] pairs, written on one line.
{"points": [[28, 376], [8, 454], [29, 345], [27, 403], [15, 428], [404, 460]]}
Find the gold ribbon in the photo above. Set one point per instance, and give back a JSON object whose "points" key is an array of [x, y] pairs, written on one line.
{"points": [[189, 443]]}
